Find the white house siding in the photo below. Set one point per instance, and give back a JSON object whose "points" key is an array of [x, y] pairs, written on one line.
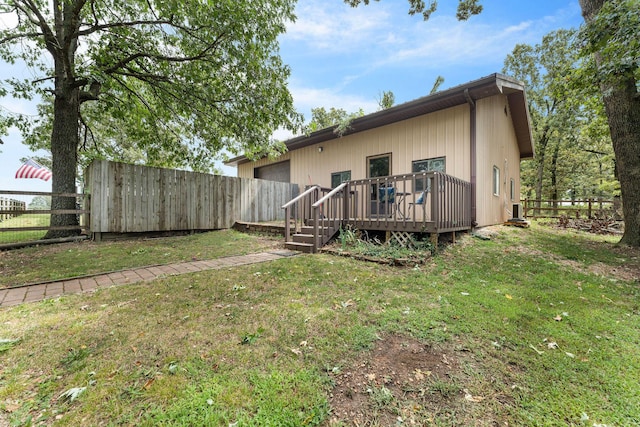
{"points": [[442, 133], [496, 142]]}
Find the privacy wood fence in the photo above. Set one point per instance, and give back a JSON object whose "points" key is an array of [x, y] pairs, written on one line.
{"points": [[128, 198]]}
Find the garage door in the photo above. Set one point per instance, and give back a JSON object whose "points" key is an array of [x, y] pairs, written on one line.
{"points": [[280, 172]]}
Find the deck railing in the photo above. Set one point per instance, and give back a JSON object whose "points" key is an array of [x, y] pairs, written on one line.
{"points": [[329, 214], [430, 202], [298, 209]]}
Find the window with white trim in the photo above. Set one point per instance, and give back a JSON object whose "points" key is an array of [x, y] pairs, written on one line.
{"points": [[496, 181]]}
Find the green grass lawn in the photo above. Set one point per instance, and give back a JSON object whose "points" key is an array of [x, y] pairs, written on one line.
{"points": [[536, 327], [51, 262]]}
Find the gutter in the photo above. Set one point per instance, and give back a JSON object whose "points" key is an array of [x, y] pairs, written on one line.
{"points": [[473, 162]]}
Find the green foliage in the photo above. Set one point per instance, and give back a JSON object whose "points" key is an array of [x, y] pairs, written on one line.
{"points": [[40, 203], [574, 157], [75, 358], [436, 85], [386, 100], [6, 344], [338, 117], [166, 84], [466, 8], [250, 338], [614, 34], [354, 242]]}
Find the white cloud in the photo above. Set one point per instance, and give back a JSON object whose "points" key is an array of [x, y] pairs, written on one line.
{"points": [[328, 27], [307, 98], [382, 34]]}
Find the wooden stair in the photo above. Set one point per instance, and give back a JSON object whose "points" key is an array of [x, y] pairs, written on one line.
{"points": [[303, 240]]}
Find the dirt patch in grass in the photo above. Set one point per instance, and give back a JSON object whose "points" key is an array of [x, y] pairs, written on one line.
{"points": [[629, 272], [401, 381]]}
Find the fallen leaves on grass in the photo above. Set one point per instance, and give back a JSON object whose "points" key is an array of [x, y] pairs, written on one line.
{"points": [[344, 304], [72, 394], [536, 350], [471, 398]]}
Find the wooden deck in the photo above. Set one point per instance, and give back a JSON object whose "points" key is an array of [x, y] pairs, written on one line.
{"points": [[427, 202]]}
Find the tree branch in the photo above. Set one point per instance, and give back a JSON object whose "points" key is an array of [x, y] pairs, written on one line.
{"points": [[163, 58], [20, 36], [49, 37], [102, 27], [27, 12]]}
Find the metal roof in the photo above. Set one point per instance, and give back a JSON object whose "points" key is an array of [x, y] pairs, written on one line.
{"points": [[493, 84]]}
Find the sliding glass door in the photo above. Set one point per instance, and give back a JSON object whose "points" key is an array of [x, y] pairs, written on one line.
{"points": [[378, 166]]}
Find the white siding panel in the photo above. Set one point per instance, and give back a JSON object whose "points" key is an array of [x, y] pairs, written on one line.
{"points": [[497, 146], [442, 133]]}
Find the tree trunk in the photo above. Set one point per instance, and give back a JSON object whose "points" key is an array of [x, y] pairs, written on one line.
{"points": [[554, 175], [623, 110], [540, 155], [64, 145], [622, 105]]}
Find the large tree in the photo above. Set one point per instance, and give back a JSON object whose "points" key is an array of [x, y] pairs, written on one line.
{"points": [[559, 112], [612, 36], [179, 78]]}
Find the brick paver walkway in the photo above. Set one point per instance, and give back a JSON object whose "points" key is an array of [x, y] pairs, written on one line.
{"points": [[32, 293]]}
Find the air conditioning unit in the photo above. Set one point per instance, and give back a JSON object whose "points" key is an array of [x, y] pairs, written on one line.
{"points": [[517, 212]]}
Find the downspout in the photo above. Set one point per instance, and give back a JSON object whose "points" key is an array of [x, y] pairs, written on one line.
{"points": [[473, 162]]}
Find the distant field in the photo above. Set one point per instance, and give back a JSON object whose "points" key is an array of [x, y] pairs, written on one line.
{"points": [[27, 220]]}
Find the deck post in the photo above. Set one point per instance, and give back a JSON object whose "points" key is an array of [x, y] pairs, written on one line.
{"points": [[435, 199], [434, 241], [345, 203], [287, 225], [316, 228]]}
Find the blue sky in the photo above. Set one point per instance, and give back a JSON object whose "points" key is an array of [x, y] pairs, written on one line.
{"points": [[345, 58]]}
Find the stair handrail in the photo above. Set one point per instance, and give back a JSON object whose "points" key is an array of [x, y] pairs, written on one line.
{"points": [[287, 209], [329, 194], [316, 213], [300, 196]]}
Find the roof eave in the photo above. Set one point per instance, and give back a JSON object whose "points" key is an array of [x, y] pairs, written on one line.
{"points": [[487, 86]]}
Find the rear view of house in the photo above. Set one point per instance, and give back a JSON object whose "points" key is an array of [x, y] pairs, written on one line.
{"points": [[445, 162]]}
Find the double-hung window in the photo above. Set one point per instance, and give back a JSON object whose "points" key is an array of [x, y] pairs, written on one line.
{"points": [[436, 164]]}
